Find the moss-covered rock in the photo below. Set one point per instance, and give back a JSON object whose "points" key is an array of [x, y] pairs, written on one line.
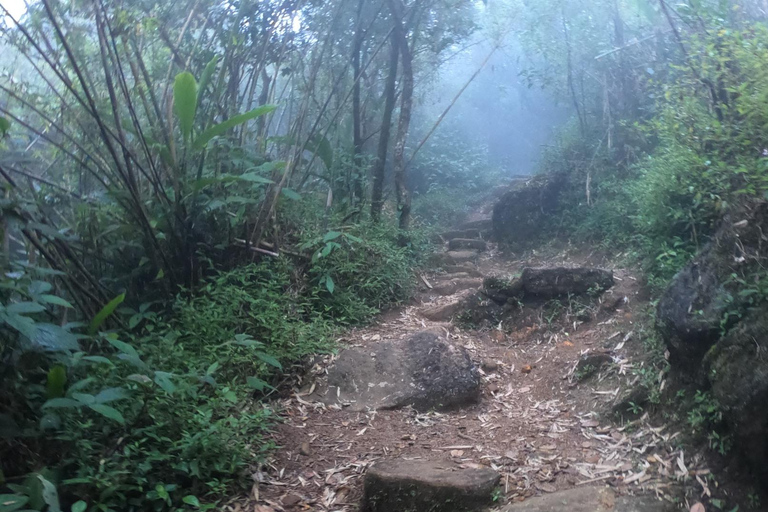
{"points": [[737, 369], [519, 215]]}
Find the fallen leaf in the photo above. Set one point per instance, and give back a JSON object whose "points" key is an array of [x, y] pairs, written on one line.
{"points": [[698, 507], [526, 369], [457, 453]]}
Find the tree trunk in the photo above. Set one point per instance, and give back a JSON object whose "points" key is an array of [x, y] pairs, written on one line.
{"points": [[404, 123], [357, 135], [377, 195]]}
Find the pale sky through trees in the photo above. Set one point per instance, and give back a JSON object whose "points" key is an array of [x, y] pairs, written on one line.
{"points": [[15, 7]]}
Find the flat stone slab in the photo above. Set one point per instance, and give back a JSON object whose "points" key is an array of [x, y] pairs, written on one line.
{"points": [[461, 233], [427, 486], [422, 371], [461, 256], [589, 499], [467, 243], [456, 285], [560, 281], [442, 313]]}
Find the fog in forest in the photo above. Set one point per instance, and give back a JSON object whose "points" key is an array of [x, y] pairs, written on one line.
{"points": [[499, 110]]}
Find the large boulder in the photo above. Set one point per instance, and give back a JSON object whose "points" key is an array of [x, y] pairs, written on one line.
{"points": [[519, 215], [422, 371], [562, 281], [427, 486], [737, 369], [704, 299]]}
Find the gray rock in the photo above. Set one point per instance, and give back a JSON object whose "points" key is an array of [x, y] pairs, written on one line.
{"points": [[473, 272], [590, 364], [424, 486], [481, 225], [456, 257], [461, 233], [737, 369], [421, 371], [442, 313], [501, 290], [456, 285], [519, 215], [704, 299], [467, 243], [561, 281], [589, 499]]}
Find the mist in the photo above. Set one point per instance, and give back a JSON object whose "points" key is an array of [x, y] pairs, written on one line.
{"points": [[499, 110]]}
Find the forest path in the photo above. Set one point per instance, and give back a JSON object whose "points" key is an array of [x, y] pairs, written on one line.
{"points": [[543, 425]]}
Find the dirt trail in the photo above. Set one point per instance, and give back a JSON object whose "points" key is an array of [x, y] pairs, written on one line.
{"points": [[538, 424]]}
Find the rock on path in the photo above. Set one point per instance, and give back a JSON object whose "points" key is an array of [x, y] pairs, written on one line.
{"points": [[422, 371], [588, 499], [427, 486]]}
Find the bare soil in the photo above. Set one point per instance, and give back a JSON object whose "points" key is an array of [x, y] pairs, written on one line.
{"points": [[538, 424]]}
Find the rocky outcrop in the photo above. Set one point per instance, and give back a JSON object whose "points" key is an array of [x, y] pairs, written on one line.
{"points": [[737, 369], [705, 299], [427, 486], [519, 215], [420, 371]]}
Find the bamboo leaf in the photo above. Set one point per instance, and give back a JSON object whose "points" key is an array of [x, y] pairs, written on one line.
{"points": [[204, 138], [185, 102], [105, 312]]}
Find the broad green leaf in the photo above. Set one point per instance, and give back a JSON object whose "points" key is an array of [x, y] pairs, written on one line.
{"points": [[163, 379], [321, 146], [270, 360], [204, 138], [331, 235], [185, 102], [212, 369], [105, 312], [12, 502], [25, 308], [110, 395], [255, 178], [257, 384], [57, 379], [84, 398], [291, 194], [191, 500], [206, 76], [50, 495], [50, 337], [50, 421], [79, 506], [108, 412], [329, 284], [5, 125], [56, 301], [98, 359]]}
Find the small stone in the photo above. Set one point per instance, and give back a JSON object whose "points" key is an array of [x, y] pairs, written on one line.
{"points": [[489, 365], [305, 449], [290, 500], [436, 486]]}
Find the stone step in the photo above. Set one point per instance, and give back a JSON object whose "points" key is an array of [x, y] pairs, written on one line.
{"points": [[589, 499], [457, 257], [442, 313], [453, 286], [467, 243], [462, 269], [462, 233], [397, 485], [482, 225]]}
